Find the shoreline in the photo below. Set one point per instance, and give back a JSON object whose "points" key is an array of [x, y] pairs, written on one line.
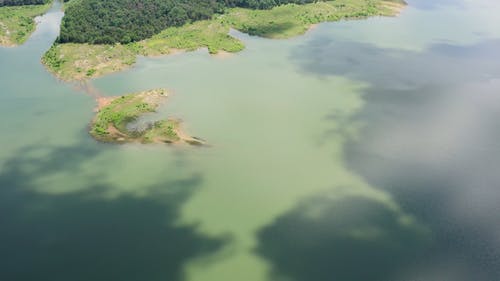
{"points": [[72, 62], [113, 114], [312, 27], [223, 55], [394, 7]]}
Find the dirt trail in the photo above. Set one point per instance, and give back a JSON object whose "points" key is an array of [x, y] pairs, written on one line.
{"points": [[5, 38], [4, 27]]}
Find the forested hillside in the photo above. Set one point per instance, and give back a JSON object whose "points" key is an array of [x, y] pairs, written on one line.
{"points": [[22, 2], [263, 4], [124, 21]]}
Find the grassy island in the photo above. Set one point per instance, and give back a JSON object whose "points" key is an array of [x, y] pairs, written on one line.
{"points": [[18, 22], [77, 61], [115, 114]]}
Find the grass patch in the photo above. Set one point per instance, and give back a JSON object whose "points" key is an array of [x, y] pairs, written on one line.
{"points": [[119, 113], [291, 20], [164, 131], [212, 34], [83, 61], [17, 22]]}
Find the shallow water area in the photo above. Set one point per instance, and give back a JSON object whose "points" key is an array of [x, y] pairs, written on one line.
{"points": [[363, 144]]}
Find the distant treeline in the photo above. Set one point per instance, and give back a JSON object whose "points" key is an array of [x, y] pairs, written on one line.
{"points": [[263, 4], [124, 21], [22, 2]]}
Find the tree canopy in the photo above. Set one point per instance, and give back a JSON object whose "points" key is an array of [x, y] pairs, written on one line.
{"points": [[124, 21], [21, 2]]}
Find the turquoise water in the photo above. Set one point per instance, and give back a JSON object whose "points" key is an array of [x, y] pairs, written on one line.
{"points": [[363, 150]]}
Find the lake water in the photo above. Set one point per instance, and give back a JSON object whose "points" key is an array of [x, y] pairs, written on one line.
{"points": [[363, 150]]}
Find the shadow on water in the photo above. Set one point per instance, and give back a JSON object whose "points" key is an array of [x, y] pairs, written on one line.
{"points": [[431, 141], [85, 235], [352, 238]]}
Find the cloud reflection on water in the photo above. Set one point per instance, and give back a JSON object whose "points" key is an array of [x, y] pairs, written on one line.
{"points": [[430, 139]]}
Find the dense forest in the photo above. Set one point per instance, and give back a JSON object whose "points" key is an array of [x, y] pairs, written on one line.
{"points": [[22, 2], [263, 4], [124, 21]]}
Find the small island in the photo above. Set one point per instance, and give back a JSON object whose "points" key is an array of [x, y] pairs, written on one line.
{"points": [[116, 113]]}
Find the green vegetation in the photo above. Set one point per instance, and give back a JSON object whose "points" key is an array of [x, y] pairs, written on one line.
{"points": [[17, 22], [290, 20], [110, 123], [22, 2], [119, 112], [83, 61], [211, 34], [125, 21], [165, 128]]}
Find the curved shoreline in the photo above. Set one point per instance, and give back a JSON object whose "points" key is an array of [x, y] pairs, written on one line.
{"points": [[395, 7]]}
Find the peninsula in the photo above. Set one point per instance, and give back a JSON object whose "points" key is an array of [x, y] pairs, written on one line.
{"points": [[115, 114], [98, 42]]}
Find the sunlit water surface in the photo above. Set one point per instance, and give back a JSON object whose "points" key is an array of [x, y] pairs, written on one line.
{"points": [[363, 150]]}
